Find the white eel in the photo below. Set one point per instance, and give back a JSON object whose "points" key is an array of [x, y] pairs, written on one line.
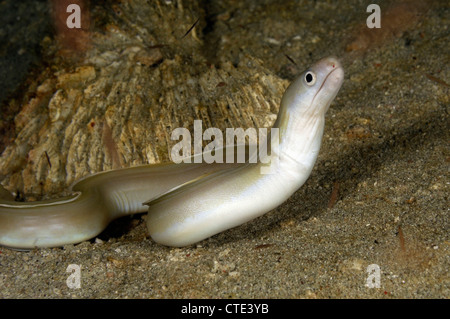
{"points": [[187, 202]]}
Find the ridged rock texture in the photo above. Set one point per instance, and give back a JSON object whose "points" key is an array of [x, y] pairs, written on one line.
{"points": [[145, 72]]}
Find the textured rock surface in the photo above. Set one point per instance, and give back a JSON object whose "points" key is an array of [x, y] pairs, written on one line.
{"points": [[118, 105]]}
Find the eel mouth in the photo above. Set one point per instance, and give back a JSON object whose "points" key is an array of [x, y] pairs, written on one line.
{"points": [[337, 78]]}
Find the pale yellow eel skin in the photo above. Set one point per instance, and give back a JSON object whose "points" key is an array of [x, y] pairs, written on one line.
{"points": [[187, 202]]}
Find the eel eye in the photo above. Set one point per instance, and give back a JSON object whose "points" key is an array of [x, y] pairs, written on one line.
{"points": [[310, 78]]}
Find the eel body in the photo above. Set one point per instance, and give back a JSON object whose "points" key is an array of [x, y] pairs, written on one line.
{"points": [[187, 203]]}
